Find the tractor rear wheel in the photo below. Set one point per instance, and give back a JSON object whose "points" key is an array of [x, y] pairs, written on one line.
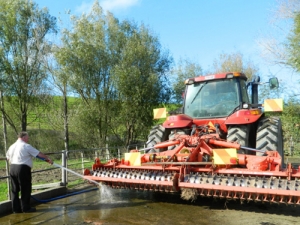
{"points": [[157, 134], [239, 134], [269, 135]]}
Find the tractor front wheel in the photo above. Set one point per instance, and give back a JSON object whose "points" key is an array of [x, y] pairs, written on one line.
{"points": [[157, 134], [239, 134], [269, 135]]}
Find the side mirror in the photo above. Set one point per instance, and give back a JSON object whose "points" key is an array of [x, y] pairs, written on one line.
{"points": [[273, 83]]}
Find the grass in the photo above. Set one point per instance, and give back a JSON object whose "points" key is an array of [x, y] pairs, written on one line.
{"points": [[3, 191], [75, 183]]}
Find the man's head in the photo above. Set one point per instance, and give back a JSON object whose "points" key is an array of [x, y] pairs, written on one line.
{"points": [[23, 135]]}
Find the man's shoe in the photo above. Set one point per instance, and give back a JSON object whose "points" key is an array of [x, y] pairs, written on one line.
{"points": [[32, 209]]}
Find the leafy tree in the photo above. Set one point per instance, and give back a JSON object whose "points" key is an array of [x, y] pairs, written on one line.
{"points": [[293, 46], [234, 63], [23, 37], [119, 71], [87, 56], [291, 122], [141, 79], [186, 69]]}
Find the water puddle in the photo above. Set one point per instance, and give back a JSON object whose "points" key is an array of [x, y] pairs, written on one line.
{"points": [[128, 207]]}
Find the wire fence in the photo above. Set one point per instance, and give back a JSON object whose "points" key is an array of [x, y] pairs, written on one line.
{"points": [[292, 146]]}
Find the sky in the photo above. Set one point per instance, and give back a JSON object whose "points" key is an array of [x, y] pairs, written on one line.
{"points": [[198, 30]]}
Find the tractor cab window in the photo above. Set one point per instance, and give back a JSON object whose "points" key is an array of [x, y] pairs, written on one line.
{"points": [[217, 98], [245, 96]]}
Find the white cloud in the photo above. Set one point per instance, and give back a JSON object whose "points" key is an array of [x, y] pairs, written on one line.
{"points": [[116, 5], [85, 7], [107, 5]]}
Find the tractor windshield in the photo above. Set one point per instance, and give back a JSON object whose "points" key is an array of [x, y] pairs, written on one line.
{"points": [[216, 98]]}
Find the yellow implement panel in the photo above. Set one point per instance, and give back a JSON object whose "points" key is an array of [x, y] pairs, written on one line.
{"points": [[224, 156], [273, 105], [160, 113], [134, 158]]}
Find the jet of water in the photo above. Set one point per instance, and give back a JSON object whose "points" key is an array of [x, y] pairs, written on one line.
{"points": [[71, 171], [106, 193], [77, 174]]}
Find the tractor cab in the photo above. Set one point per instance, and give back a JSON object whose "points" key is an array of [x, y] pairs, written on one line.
{"points": [[220, 95]]}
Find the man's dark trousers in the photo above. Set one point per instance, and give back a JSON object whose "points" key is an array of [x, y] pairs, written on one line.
{"points": [[20, 181]]}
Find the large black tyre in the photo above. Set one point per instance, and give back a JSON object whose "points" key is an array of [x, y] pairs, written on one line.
{"points": [[269, 135], [239, 134], [157, 134]]}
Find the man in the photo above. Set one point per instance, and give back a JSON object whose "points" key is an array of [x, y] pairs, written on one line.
{"points": [[20, 156]]}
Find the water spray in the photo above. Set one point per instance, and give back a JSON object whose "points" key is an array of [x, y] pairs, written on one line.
{"points": [[71, 171]]}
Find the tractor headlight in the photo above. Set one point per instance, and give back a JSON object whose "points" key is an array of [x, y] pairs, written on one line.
{"points": [[245, 106]]}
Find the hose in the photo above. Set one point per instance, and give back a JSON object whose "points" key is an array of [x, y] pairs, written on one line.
{"points": [[63, 196]]}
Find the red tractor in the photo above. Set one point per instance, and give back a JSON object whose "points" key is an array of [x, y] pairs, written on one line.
{"points": [[222, 145], [222, 101]]}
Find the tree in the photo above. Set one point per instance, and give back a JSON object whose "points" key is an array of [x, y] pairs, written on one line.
{"points": [[86, 56], [277, 47], [141, 79], [23, 37], [118, 70], [60, 82], [186, 69], [294, 44], [234, 63]]}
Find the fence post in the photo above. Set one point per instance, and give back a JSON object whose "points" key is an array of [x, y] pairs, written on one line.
{"points": [[8, 180], [64, 172], [291, 146], [107, 151], [82, 162]]}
